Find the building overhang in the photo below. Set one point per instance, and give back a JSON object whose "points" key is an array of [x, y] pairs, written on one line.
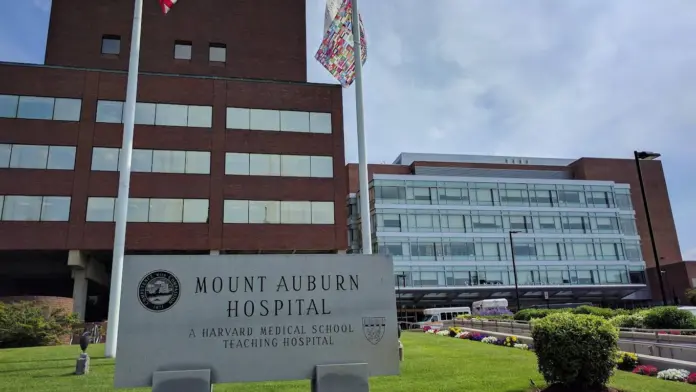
{"points": [[537, 293]]}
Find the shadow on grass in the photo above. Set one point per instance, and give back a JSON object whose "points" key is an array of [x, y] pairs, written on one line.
{"points": [[34, 361]]}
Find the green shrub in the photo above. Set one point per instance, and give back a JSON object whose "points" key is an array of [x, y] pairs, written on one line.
{"points": [[529, 314], [691, 296], [577, 351], [595, 311], [669, 317], [26, 324], [626, 361], [636, 320]]}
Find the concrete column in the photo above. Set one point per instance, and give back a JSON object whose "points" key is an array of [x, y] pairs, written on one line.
{"points": [[80, 292]]}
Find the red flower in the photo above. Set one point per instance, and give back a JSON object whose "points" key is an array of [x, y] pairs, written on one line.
{"points": [[691, 379], [646, 370]]}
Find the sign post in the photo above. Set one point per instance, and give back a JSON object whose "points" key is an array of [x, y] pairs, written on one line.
{"points": [[187, 321]]}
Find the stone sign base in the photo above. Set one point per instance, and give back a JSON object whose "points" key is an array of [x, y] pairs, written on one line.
{"points": [[351, 377], [182, 381]]}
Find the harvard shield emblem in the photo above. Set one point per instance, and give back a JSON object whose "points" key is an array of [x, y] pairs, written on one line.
{"points": [[373, 328]]}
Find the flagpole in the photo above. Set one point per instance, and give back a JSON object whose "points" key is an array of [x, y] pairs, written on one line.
{"points": [[121, 208], [362, 155]]}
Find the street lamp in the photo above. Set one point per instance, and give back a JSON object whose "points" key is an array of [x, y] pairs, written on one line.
{"points": [[514, 268], [402, 278], [649, 156]]}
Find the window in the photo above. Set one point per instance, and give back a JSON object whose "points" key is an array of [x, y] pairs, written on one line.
{"points": [[67, 109], [320, 122], [8, 106], [36, 108], [274, 212], [323, 212], [164, 161], [109, 111], [22, 208], [29, 157], [138, 209], [236, 211], [218, 53], [166, 210], [145, 113], [321, 167], [197, 162], [264, 165], [294, 121], [182, 50], [238, 118], [264, 211], [61, 158], [111, 44], [105, 159], [200, 116], [236, 164], [195, 211], [295, 166], [573, 198], [391, 220], [295, 212], [460, 249], [264, 120], [171, 115], [55, 208], [141, 161], [100, 209], [5, 151]]}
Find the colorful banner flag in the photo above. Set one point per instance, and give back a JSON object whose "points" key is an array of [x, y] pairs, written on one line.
{"points": [[167, 5], [336, 50]]}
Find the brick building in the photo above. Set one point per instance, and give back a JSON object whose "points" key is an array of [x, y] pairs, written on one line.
{"points": [[233, 150], [579, 230]]}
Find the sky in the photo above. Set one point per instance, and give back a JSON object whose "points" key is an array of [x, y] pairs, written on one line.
{"points": [[534, 78]]}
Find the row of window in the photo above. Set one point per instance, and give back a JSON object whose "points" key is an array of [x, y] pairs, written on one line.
{"points": [[111, 45], [153, 161], [279, 212], [496, 250], [500, 197], [526, 275], [157, 114], [496, 222], [35, 208], [101, 209], [20, 156], [40, 108], [278, 120], [202, 116], [278, 165]]}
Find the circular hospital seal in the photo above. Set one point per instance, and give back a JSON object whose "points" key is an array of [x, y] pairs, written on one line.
{"points": [[158, 291]]}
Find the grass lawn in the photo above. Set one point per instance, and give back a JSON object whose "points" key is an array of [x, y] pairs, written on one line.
{"points": [[433, 363]]}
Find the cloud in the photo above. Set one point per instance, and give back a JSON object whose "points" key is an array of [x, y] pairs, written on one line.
{"points": [[534, 78]]}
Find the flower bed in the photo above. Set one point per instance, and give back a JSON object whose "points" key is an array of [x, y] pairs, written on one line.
{"points": [[458, 333]]}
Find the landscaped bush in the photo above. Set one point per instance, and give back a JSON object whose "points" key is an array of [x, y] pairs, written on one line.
{"points": [[627, 361], [529, 314], [635, 320], [691, 296], [26, 324], [669, 317], [646, 370], [576, 351], [595, 311]]}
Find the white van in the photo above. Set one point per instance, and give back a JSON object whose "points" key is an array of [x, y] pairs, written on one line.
{"points": [[435, 316], [691, 309]]}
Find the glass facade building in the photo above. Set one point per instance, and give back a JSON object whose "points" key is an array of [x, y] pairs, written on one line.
{"points": [[454, 232]]}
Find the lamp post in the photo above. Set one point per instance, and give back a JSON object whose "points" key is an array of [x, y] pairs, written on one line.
{"points": [[402, 278], [648, 156], [514, 268]]}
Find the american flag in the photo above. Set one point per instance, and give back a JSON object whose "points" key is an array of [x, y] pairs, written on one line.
{"points": [[167, 5]]}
